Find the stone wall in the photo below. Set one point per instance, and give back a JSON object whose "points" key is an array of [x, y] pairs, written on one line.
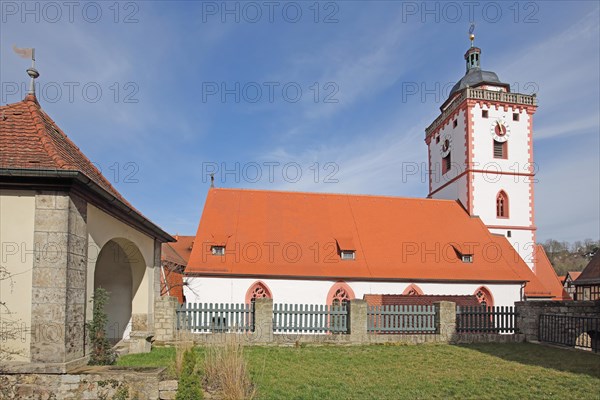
{"points": [[85, 383], [528, 313]]}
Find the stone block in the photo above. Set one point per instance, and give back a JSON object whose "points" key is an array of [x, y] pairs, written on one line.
{"points": [[47, 220], [49, 277], [49, 294], [45, 200], [167, 385]]}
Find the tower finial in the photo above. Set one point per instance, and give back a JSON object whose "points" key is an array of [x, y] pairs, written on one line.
{"points": [[212, 180], [32, 72], [472, 34]]}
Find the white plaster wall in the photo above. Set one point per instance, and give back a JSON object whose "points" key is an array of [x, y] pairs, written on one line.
{"points": [[522, 241], [458, 151], [454, 191], [233, 290], [17, 218], [485, 190], [102, 228]]}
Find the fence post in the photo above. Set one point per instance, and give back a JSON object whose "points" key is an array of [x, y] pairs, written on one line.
{"points": [[263, 320], [445, 319], [165, 318], [357, 321]]}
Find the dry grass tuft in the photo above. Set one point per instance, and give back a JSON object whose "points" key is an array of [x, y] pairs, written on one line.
{"points": [[226, 370]]}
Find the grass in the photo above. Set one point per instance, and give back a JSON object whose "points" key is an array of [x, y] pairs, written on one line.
{"points": [[483, 371]]}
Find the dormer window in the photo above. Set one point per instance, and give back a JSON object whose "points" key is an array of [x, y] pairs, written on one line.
{"points": [[467, 258], [217, 250], [348, 254]]}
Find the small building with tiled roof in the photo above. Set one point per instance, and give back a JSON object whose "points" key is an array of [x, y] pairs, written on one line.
{"points": [[587, 285], [568, 282], [174, 259], [66, 231]]}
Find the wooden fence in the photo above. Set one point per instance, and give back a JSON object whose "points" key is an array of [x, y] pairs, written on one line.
{"points": [[313, 318], [392, 319], [212, 318], [481, 319]]}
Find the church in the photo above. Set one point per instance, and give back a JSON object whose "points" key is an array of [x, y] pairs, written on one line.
{"points": [[474, 234]]}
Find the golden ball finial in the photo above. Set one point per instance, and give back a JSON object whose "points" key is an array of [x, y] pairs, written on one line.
{"points": [[472, 36]]}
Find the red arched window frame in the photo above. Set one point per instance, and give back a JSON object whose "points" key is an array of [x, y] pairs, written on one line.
{"points": [[412, 290], [258, 290], [340, 292], [484, 296], [502, 205]]}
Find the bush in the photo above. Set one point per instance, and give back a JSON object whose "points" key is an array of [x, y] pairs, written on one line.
{"points": [[102, 352], [189, 381]]}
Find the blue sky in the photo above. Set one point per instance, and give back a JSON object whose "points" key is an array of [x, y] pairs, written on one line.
{"points": [[371, 75]]}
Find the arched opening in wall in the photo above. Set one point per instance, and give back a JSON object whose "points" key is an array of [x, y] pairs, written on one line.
{"points": [[484, 297], [502, 205], [120, 269], [258, 290], [412, 290], [339, 294], [589, 341]]}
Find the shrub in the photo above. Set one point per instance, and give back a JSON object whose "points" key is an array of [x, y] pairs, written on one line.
{"points": [[102, 352], [189, 380]]}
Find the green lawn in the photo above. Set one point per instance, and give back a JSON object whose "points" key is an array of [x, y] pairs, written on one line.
{"points": [[484, 371]]}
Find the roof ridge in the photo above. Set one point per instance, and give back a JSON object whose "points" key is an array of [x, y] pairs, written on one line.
{"points": [[33, 108], [334, 194]]}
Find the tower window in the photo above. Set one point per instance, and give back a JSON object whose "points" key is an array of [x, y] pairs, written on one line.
{"points": [[500, 149], [502, 205], [455, 123], [515, 116], [446, 163], [437, 139], [484, 113], [508, 233]]}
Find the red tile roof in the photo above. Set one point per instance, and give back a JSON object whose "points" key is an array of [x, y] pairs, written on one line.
{"points": [[174, 258], [573, 274], [32, 142], [417, 300], [294, 234], [547, 276], [591, 273], [30, 139]]}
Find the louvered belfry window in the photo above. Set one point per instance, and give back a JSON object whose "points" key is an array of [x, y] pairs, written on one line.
{"points": [[499, 149]]}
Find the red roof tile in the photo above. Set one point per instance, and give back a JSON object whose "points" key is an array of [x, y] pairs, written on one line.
{"points": [[547, 276], [292, 234], [417, 300]]}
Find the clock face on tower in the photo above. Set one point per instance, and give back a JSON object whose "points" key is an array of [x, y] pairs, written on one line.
{"points": [[500, 130], [446, 145]]}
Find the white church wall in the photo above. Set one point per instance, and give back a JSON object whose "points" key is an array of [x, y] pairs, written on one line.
{"points": [[233, 290], [457, 152], [522, 241]]}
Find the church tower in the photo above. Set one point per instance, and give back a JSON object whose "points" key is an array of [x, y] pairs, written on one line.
{"points": [[481, 153]]}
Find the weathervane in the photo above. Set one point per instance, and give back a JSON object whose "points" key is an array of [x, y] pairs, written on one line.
{"points": [[471, 34], [32, 72]]}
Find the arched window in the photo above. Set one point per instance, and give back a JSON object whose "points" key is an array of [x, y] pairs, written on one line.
{"points": [[502, 205], [339, 293], [412, 290], [484, 297], [258, 290]]}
